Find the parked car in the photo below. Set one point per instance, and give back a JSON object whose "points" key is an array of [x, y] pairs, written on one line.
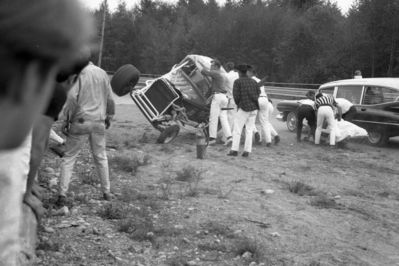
{"points": [[376, 101], [174, 100]]}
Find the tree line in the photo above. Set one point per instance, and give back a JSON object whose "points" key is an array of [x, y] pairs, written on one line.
{"points": [[307, 41]]}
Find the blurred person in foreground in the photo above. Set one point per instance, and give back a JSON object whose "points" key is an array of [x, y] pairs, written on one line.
{"points": [[37, 38], [88, 112], [41, 131], [246, 93]]}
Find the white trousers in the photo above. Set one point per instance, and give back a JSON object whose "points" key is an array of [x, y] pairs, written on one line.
{"points": [[325, 113], [264, 115], [267, 114], [14, 168], [219, 101], [74, 144], [243, 118]]}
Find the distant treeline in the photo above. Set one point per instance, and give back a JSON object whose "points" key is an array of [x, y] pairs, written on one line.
{"points": [[306, 41]]}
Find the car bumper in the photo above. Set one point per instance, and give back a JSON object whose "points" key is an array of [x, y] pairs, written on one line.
{"points": [[280, 117]]}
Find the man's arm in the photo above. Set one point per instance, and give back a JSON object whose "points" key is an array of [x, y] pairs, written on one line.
{"points": [[236, 92], [110, 111]]}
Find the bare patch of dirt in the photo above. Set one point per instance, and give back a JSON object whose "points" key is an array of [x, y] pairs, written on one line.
{"points": [[290, 204]]}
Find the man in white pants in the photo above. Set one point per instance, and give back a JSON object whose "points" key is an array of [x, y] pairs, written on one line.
{"points": [[325, 112], [246, 93], [219, 102], [264, 115], [90, 108]]}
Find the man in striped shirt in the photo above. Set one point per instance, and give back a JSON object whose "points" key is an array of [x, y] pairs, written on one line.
{"points": [[325, 112]]}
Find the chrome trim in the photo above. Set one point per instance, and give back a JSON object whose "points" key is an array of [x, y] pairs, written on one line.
{"points": [[373, 122]]}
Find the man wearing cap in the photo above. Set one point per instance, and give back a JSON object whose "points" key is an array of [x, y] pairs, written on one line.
{"points": [[246, 93], [306, 109], [219, 102]]}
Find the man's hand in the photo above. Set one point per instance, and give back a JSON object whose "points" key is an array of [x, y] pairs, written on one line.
{"points": [[108, 122]]}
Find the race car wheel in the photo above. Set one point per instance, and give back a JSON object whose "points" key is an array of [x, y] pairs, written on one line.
{"points": [[124, 79], [377, 137], [168, 134], [291, 121]]}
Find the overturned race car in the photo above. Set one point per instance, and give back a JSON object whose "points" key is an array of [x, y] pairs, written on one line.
{"points": [[179, 98]]}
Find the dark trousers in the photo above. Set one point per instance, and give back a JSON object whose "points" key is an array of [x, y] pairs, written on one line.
{"points": [[305, 111], [348, 116]]}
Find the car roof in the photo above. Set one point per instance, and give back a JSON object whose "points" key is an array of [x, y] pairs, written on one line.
{"points": [[385, 82]]}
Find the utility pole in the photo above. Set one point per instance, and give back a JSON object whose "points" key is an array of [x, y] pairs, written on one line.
{"points": [[100, 55]]}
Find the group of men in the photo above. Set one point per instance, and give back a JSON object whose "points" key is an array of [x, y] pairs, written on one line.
{"points": [[242, 100], [45, 67], [322, 111]]}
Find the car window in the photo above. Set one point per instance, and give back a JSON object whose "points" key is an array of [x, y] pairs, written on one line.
{"points": [[328, 90], [350, 92], [376, 95]]}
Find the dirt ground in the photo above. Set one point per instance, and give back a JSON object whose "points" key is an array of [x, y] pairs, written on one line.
{"points": [[290, 204]]}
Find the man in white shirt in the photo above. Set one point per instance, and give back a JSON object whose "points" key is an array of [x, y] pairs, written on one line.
{"points": [[347, 108], [90, 108]]}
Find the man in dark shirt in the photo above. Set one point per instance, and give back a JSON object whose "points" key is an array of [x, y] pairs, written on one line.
{"points": [[246, 93]]}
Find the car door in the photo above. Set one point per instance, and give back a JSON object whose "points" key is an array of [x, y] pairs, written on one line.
{"points": [[375, 112]]}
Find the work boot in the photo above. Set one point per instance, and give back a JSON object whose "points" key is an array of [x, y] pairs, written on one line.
{"points": [[245, 154], [232, 153]]}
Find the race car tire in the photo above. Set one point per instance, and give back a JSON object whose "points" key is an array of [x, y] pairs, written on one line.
{"points": [[124, 79], [168, 134]]}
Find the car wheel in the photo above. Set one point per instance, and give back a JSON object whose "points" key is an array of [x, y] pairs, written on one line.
{"points": [[124, 79], [377, 137], [168, 134], [291, 121]]}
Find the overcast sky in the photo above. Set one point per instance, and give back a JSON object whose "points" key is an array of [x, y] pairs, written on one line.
{"points": [[344, 5]]}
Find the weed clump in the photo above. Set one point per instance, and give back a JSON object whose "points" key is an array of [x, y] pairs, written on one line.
{"points": [[324, 202], [113, 211], [301, 189], [127, 164], [247, 246]]}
